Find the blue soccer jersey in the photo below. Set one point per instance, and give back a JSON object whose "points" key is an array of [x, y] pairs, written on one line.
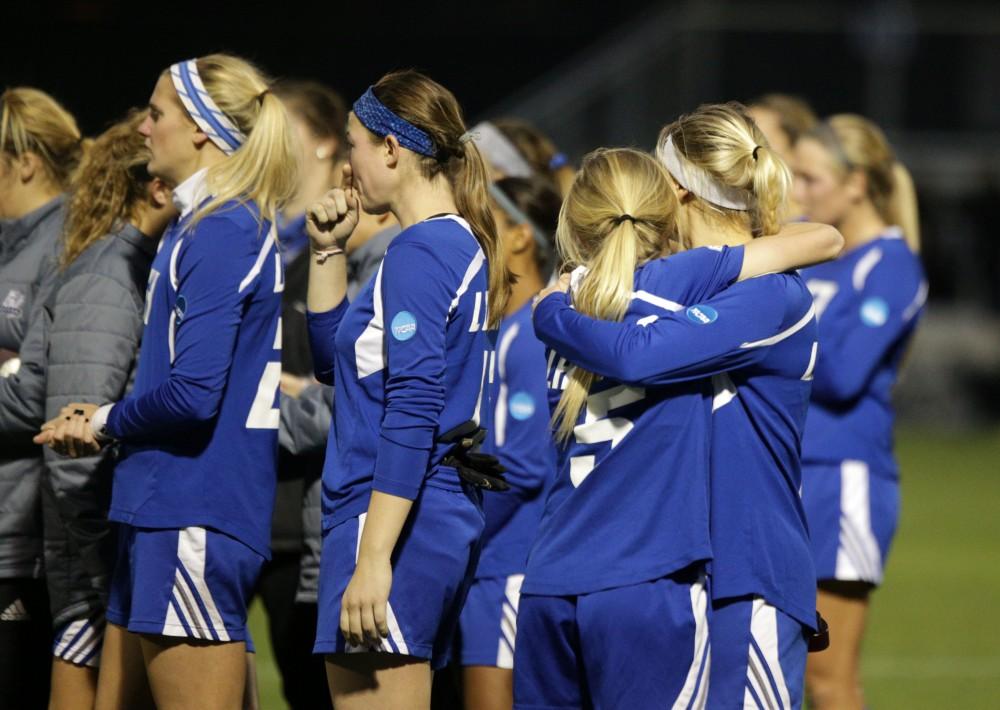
{"points": [[630, 499], [758, 342], [521, 438], [200, 428], [868, 303], [411, 357]]}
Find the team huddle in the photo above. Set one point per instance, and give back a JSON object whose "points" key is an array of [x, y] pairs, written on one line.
{"points": [[609, 437]]}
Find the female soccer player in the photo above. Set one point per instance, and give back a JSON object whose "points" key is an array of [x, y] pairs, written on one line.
{"points": [[115, 216], [526, 212], [40, 147], [194, 486], [411, 355], [868, 303], [615, 572]]}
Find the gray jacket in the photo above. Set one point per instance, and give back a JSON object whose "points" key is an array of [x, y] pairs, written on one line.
{"points": [[29, 252], [93, 347]]}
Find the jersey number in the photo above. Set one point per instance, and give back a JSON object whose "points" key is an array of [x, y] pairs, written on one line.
{"points": [[263, 413], [822, 292], [598, 427]]}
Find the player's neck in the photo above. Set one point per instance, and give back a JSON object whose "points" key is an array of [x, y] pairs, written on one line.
{"points": [[860, 226], [529, 282], [419, 199], [704, 231]]}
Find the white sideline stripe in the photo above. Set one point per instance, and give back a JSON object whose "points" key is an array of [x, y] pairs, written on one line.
{"points": [[191, 550], [699, 607], [918, 301], [855, 526], [725, 391], [369, 348], [808, 376], [785, 333], [658, 301], [764, 629], [259, 263], [864, 267], [173, 263], [470, 273]]}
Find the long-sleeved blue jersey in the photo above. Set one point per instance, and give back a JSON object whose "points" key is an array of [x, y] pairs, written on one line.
{"points": [[200, 428], [522, 440], [868, 303], [630, 499], [411, 357], [758, 342]]}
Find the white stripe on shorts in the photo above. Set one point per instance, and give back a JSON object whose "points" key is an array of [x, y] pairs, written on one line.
{"points": [[858, 554], [191, 552], [395, 633], [79, 642], [694, 694], [508, 621], [764, 631]]}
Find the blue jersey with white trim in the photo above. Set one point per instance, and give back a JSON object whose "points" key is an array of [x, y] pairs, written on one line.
{"points": [[200, 428], [630, 499], [521, 438], [868, 303], [757, 340], [410, 357]]}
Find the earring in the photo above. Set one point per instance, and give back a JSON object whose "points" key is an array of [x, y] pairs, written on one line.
{"points": [[322, 154]]}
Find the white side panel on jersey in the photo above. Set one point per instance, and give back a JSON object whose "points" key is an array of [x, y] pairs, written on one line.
{"points": [[173, 263], [470, 273], [263, 414], [808, 375], [500, 423], [279, 274], [694, 693], [858, 554], [369, 348], [822, 292], [917, 303]]}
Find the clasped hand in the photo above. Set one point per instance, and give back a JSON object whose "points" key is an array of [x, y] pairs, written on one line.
{"points": [[70, 433]]}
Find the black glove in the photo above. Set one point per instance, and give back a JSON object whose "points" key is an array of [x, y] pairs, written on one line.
{"points": [[820, 640], [473, 466]]}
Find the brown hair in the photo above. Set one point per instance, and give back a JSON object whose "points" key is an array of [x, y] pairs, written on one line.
{"points": [[795, 116], [31, 121], [537, 198], [533, 145], [858, 144], [108, 187], [724, 141], [619, 213], [321, 108], [430, 107]]}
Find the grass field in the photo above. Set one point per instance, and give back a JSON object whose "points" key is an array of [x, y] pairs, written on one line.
{"points": [[933, 640]]}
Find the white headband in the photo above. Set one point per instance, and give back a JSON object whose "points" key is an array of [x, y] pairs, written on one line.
{"points": [[698, 181], [215, 124], [499, 151]]}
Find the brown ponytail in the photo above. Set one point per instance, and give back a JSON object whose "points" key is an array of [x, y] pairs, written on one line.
{"points": [[108, 187], [429, 106]]}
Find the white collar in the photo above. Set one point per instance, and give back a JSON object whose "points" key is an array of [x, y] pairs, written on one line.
{"points": [[190, 193]]}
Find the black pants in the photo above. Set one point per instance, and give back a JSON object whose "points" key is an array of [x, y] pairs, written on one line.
{"points": [[293, 630], [25, 644]]}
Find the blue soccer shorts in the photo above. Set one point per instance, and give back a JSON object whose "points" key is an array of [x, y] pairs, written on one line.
{"points": [[192, 583], [432, 567], [758, 656], [487, 629], [640, 646]]}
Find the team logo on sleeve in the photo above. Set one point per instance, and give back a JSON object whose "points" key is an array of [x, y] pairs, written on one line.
{"points": [[874, 312], [404, 326], [521, 406], [13, 304], [180, 308], [702, 314]]}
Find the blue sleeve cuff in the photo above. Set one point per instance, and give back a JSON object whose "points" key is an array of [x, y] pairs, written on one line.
{"points": [[399, 470]]}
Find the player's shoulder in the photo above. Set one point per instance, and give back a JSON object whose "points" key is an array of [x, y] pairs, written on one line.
{"points": [[235, 228]]}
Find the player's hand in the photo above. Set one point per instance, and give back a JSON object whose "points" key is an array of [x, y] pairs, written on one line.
{"points": [[331, 220], [560, 286], [293, 385], [70, 433], [363, 608]]}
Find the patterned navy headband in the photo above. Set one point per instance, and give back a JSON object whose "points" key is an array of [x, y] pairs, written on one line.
{"points": [[220, 129], [381, 121]]}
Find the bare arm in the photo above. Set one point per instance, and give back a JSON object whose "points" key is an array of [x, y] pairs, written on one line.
{"points": [[797, 245]]}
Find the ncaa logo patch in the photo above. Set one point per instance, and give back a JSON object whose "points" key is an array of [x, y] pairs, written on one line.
{"points": [[180, 308], [521, 406], [404, 326], [874, 312], [701, 314]]}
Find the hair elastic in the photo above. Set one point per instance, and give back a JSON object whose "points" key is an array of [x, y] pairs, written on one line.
{"points": [[623, 217], [202, 109], [755, 149], [699, 181], [381, 121]]}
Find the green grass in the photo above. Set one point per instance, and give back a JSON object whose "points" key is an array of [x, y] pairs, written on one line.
{"points": [[934, 640]]}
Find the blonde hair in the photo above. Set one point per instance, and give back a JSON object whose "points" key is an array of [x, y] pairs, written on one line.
{"points": [[724, 141], [265, 168], [31, 121], [424, 103], [108, 187], [858, 144], [618, 214]]}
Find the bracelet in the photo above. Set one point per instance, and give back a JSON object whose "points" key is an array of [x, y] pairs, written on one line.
{"points": [[323, 254]]}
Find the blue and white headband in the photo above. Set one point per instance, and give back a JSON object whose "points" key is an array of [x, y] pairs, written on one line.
{"points": [[381, 121], [202, 108], [520, 217]]}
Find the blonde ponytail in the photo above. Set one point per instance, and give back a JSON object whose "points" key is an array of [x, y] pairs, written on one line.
{"points": [[723, 141], [858, 144], [424, 103], [265, 168], [618, 214]]}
